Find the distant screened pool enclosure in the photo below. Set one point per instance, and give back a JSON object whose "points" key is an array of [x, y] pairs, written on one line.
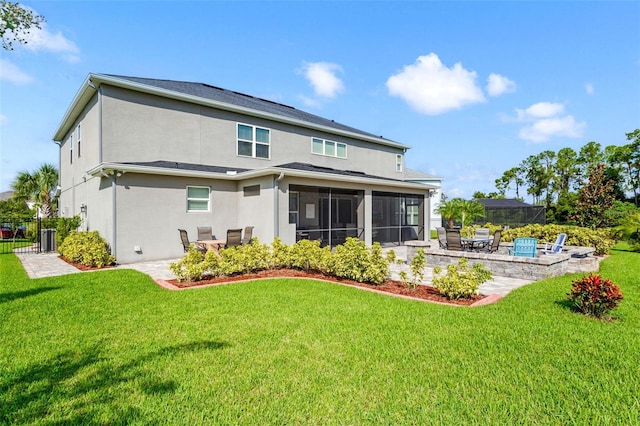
{"points": [[510, 212]]}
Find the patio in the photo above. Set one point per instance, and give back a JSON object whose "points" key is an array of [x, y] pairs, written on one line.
{"points": [[505, 265]]}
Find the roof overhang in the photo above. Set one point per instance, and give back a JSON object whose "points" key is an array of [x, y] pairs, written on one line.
{"points": [[111, 169], [93, 82]]}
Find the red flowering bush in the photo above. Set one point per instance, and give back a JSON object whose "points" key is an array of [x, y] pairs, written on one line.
{"points": [[594, 296]]}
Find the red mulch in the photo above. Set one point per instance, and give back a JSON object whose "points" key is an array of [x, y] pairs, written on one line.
{"points": [[390, 286], [421, 292], [84, 267]]}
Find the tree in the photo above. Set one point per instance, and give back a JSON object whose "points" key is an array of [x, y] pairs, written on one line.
{"points": [[38, 187], [512, 175], [469, 210], [15, 23], [450, 210], [595, 198]]}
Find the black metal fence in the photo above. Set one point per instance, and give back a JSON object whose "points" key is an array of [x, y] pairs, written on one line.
{"points": [[26, 236]]}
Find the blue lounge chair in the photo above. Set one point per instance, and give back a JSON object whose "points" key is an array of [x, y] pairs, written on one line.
{"points": [[557, 246], [525, 247]]}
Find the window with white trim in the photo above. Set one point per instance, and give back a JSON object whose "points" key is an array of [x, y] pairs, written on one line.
{"points": [[78, 134], [294, 206], [398, 162], [198, 198], [253, 141], [71, 148], [328, 148]]}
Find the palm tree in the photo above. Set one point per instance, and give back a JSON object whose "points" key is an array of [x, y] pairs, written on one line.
{"points": [[450, 210], [469, 210], [38, 187]]}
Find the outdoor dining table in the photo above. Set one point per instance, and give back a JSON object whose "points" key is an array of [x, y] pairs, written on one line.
{"points": [[475, 243], [211, 244]]}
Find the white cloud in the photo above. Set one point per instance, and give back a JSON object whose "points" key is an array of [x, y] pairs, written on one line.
{"points": [[4, 120], [589, 88], [540, 110], [13, 74], [544, 129], [498, 85], [546, 120], [323, 78], [429, 87], [44, 40]]}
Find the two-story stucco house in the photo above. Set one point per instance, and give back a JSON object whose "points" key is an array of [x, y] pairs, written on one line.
{"points": [[140, 158]]}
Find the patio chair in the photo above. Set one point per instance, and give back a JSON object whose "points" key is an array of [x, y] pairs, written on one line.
{"points": [[524, 247], [493, 247], [482, 233], [184, 238], [204, 233], [442, 237], [248, 235], [454, 241], [556, 247], [234, 238]]}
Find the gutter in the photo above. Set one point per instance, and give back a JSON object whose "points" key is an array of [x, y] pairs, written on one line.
{"points": [[114, 234], [130, 168]]}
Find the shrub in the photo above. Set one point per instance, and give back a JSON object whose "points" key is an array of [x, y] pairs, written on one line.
{"points": [[64, 226], [354, 261], [460, 281], [86, 248], [594, 296], [191, 267], [307, 255], [416, 266], [280, 257], [600, 239]]}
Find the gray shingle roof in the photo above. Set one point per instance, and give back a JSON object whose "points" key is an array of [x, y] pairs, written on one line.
{"points": [[221, 169], [505, 203], [187, 166], [318, 169], [230, 97]]}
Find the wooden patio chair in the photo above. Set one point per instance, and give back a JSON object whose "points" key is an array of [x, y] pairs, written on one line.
{"points": [[248, 235], [234, 238], [184, 238]]}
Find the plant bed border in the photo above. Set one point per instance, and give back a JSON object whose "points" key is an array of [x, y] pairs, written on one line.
{"points": [[394, 288]]}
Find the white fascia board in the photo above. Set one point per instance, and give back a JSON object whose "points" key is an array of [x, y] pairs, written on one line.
{"points": [[82, 97], [101, 78], [110, 168]]}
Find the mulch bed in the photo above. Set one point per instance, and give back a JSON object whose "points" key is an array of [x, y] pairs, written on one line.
{"points": [[421, 292], [394, 287]]}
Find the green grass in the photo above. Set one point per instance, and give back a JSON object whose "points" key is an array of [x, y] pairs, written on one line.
{"points": [[111, 347]]}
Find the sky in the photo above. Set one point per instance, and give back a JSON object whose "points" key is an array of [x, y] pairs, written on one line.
{"points": [[473, 87]]}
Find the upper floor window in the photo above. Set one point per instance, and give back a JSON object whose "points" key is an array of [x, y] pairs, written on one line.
{"points": [[329, 148], [71, 148], [253, 141], [198, 198], [398, 162], [78, 134]]}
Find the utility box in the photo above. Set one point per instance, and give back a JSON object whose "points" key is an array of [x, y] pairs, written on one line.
{"points": [[47, 240]]}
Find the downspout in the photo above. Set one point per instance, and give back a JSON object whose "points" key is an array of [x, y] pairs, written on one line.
{"points": [[276, 209], [114, 234]]}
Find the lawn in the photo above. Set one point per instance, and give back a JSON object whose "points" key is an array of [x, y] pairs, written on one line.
{"points": [[111, 347]]}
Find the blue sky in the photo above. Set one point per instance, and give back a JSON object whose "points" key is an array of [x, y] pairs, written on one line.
{"points": [[473, 87]]}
